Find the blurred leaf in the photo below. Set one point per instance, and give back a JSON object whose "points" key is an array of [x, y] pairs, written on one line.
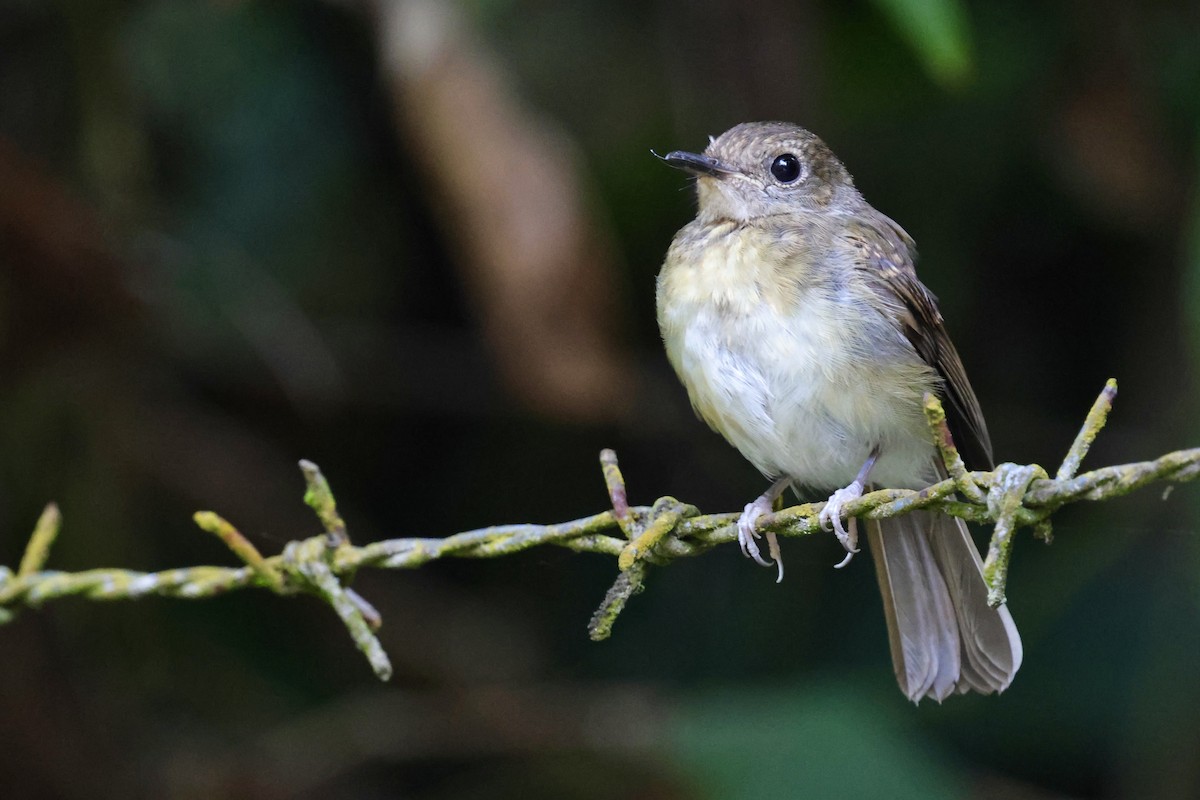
{"points": [[834, 740], [938, 32]]}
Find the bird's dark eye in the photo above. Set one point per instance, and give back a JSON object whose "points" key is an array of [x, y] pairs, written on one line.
{"points": [[785, 168]]}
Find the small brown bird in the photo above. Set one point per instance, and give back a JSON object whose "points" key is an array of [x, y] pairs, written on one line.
{"points": [[792, 313]]}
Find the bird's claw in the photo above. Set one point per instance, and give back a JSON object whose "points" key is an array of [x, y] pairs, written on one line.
{"points": [[831, 519], [746, 532]]}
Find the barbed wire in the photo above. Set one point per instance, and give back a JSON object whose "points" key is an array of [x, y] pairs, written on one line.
{"points": [[1009, 497]]}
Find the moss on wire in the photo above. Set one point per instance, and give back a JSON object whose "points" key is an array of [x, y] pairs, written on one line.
{"points": [[1010, 497]]}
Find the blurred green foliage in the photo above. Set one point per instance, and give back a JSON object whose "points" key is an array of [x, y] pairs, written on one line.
{"points": [[939, 33], [830, 740]]}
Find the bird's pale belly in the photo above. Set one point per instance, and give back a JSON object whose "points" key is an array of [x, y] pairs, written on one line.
{"points": [[805, 395]]}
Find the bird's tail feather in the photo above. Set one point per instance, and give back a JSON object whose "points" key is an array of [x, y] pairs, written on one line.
{"points": [[944, 637]]}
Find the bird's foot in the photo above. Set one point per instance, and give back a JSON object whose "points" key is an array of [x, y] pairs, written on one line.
{"points": [[747, 534], [831, 519]]}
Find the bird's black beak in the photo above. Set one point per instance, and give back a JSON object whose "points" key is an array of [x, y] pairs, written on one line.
{"points": [[696, 163]]}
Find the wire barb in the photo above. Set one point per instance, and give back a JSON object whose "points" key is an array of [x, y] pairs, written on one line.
{"points": [[319, 497], [1004, 501], [241, 547], [1095, 420], [665, 516], [628, 583], [617, 495], [935, 417], [37, 552]]}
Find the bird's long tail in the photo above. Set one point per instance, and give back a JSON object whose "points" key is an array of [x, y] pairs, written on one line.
{"points": [[944, 636]]}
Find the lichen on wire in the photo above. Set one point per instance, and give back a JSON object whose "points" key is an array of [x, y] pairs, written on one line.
{"points": [[638, 537]]}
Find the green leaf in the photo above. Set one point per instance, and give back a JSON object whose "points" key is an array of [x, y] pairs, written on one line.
{"points": [[938, 31], [824, 740]]}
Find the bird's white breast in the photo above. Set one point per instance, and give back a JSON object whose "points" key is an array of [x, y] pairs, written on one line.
{"points": [[804, 381]]}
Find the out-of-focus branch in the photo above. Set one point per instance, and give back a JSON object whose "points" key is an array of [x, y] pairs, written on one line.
{"points": [[1009, 497], [510, 193]]}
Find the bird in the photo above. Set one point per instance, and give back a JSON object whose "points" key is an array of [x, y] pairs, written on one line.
{"points": [[791, 311]]}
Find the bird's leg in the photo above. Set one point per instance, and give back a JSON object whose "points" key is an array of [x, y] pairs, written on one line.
{"points": [[831, 515], [765, 504]]}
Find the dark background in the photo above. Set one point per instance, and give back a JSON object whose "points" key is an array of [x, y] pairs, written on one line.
{"points": [[416, 243]]}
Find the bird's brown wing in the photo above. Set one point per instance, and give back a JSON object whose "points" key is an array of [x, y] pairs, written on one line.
{"points": [[888, 255]]}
